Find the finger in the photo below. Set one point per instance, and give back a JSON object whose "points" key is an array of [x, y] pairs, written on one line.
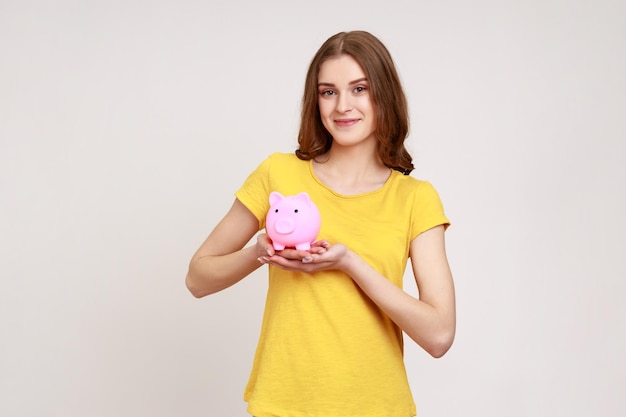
{"points": [[293, 254], [285, 263], [317, 249], [320, 243]]}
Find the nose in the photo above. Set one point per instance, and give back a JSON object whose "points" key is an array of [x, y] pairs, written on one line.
{"points": [[344, 104]]}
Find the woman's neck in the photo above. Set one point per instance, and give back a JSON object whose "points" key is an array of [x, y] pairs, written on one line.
{"points": [[351, 171]]}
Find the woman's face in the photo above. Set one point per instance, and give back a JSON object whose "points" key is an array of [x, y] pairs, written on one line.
{"points": [[344, 100]]}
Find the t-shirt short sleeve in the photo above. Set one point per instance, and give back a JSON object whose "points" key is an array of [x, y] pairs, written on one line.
{"points": [[254, 193], [428, 210]]}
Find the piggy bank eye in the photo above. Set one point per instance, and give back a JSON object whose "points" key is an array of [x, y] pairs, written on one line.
{"points": [[276, 211], [295, 211]]}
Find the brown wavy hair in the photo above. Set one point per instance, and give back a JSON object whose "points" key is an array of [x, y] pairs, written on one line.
{"points": [[388, 99]]}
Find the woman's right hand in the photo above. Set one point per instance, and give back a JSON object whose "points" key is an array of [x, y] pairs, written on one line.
{"points": [[264, 246], [322, 256]]}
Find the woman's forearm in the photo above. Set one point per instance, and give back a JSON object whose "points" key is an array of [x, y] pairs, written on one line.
{"points": [[212, 273], [430, 327]]}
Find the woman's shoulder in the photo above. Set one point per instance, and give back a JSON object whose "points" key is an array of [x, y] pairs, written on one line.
{"points": [[284, 160], [408, 182], [414, 188], [277, 160], [284, 157]]}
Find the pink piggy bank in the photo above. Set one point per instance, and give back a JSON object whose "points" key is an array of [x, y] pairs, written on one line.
{"points": [[292, 221]]}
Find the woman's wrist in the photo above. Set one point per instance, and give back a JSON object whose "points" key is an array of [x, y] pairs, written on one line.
{"points": [[348, 262]]}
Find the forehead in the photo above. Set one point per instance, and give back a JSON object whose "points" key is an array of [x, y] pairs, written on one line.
{"points": [[340, 70]]}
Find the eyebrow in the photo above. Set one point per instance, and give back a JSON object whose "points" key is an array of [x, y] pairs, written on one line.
{"points": [[360, 80]]}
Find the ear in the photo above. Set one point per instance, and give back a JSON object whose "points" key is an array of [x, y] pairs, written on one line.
{"points": [[275, 197], [303, 197]]}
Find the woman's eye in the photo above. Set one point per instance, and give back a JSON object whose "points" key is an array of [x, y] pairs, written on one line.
{"points": [[360, 89], [327, 92]]}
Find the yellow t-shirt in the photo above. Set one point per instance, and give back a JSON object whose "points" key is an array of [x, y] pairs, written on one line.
{"points": [[325, 349]]}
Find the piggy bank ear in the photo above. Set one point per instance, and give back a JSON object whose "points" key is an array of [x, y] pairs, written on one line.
{"points": [[304, 198], [275, 197]]}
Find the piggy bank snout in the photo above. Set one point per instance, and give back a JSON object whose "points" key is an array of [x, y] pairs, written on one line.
{"points": [[285, 225]]}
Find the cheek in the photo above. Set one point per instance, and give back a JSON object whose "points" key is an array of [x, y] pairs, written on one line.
{"points": [[326, 124], [325, 107], [367, 105], [371, 111], [326, 111]]}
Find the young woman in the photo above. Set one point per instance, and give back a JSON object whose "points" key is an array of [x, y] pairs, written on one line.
{"points": [[331, 341]]}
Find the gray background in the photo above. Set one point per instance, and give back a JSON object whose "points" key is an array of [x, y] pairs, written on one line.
{"points": [[126, 127]]}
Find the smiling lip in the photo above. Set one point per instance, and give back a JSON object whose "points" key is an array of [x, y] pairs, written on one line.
{"points": [[346, 122]]}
